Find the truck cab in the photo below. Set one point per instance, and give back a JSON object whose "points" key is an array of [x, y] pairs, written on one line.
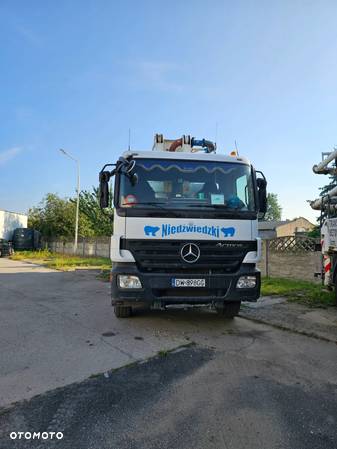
{"points": [[185, 227]]}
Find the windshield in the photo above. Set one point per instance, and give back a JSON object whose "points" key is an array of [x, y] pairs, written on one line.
{"points": [[184, 184]]}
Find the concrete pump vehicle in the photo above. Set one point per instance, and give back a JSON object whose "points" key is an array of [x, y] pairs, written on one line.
{"points": [[184, 227], [327, 205]]}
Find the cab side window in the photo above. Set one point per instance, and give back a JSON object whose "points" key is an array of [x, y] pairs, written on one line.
{"points": [[242, 189]]}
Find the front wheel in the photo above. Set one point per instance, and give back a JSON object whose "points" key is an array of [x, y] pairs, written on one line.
{"points": [[229, 309], [123, 311]]}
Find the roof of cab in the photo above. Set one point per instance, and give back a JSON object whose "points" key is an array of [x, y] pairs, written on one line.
{"points": [[199, 156]]}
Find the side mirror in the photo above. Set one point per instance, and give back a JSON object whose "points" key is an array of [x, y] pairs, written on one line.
{"points": [[127, 168], [104, 178], [133, 179], [262, 194]]}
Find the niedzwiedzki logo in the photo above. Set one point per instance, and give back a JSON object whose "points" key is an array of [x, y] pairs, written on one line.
{"points": [[169, 229]]}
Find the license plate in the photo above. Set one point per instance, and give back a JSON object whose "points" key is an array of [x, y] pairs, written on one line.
{"points": [[188, 282]]}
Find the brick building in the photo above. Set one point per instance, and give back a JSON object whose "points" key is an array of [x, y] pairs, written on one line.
{"points": [[273, 229]]}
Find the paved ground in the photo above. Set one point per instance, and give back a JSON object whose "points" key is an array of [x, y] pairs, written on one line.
{"points": [[53, 327], [241, 385], [256, 388], [320, 323]]}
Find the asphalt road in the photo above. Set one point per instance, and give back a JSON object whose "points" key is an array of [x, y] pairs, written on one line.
{"points": [[58, 327], [239, 385], [196, 398]]}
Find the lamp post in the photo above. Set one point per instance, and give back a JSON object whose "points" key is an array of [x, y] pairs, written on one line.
{"points": [[78, 196]]}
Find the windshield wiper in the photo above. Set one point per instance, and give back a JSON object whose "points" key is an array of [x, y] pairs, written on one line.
{"points": [[156, 204], [209, 205], [219, 206]]}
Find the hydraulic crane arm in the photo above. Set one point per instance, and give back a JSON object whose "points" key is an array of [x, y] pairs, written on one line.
{"points": [[322, 168], [321, 202]]}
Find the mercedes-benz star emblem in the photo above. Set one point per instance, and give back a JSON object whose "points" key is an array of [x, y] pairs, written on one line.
{"points": [[190, 252]]}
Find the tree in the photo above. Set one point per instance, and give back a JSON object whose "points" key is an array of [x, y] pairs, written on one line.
{"points": [[55, 216], [274, 210], [315, 232], [100, 222]]}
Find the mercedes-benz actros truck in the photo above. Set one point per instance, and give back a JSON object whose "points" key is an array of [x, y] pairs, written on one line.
{"points": [[185, 227]]}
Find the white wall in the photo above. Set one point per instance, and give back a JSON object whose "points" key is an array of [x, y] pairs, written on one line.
{"points": [[10, 221]]}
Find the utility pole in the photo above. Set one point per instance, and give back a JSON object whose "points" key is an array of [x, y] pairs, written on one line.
{"points": [[78, 196]]}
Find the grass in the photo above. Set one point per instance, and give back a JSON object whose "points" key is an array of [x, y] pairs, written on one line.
{"points": [[304, 292], [62, 261]]}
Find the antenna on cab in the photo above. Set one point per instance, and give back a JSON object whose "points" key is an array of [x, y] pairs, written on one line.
{"points": [[236, 148]]}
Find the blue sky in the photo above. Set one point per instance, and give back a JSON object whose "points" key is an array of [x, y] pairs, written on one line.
{"points": [[77, 75]]}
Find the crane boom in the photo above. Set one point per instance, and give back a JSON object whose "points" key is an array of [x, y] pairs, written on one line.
{"points": [[323, 169]]}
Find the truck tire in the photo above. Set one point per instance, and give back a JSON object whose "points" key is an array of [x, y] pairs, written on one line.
{"points": [[123, 311], [229, 309]]}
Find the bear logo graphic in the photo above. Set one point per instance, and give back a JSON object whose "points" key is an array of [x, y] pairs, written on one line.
{"points": [[151, 230], [228, 232]]}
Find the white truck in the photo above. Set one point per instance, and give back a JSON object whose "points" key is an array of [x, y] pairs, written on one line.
{"points": [[327, 205], [9, 221], [185, 227]]}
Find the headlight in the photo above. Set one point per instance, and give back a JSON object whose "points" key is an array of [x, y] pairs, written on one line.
{"points": [[128, 281], [246, 282]]}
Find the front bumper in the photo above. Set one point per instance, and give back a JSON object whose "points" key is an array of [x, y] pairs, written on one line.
{"points": [[157, 288]]}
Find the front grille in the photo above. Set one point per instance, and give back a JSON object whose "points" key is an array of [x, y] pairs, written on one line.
{"points": [[164, 255]]}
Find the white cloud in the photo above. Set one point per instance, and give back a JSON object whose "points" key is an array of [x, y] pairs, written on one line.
{"points": [[19, 27], [28, 35], [9, 154], [159, 74], [170, 77]]}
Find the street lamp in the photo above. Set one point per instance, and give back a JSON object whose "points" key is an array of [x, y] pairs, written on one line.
{"points": [[78, 196]]}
